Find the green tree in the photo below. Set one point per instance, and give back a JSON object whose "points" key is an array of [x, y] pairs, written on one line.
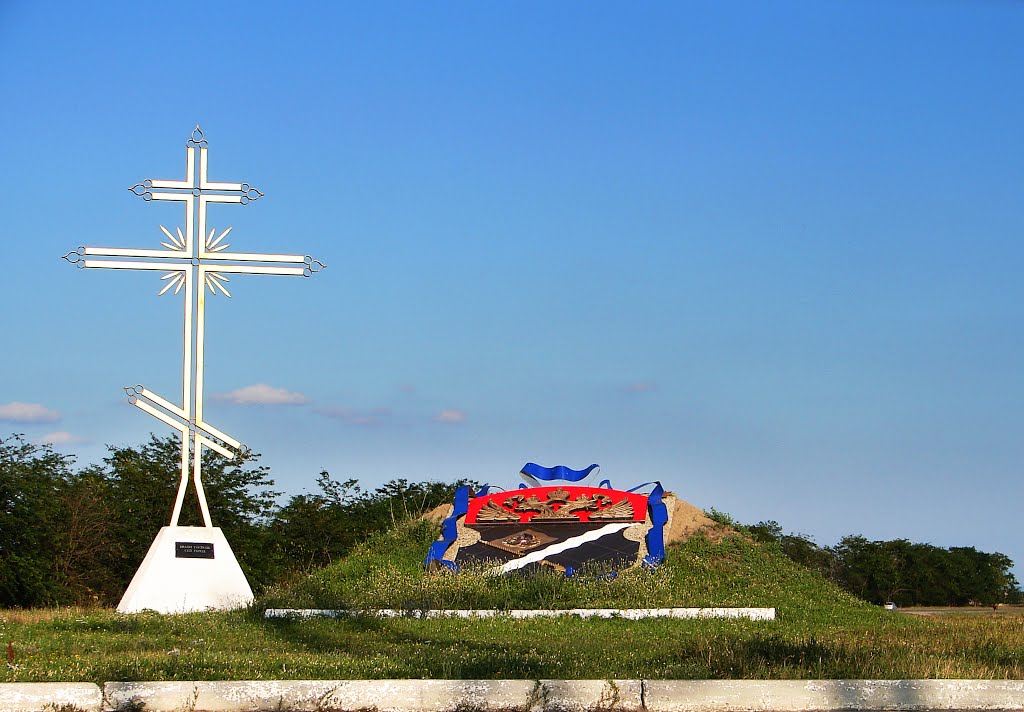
{"points": [[799, 547], [32, 478], [314, 529], [766, 532], [86, 547], [55, 539]]}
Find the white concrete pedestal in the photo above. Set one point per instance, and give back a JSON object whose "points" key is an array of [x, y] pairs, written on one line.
{"points": [[178, 574]]}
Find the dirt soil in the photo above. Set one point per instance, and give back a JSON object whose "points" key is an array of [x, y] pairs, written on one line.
{"points": [[438, 514], [1014, 610], [686, 521]]}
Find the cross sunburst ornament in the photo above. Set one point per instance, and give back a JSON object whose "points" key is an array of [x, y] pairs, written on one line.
{"points": [[194, 260], [214, 280]]}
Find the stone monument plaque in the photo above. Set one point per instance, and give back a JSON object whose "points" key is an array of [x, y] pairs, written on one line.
{"points": [[566, 528], [193, 550]]}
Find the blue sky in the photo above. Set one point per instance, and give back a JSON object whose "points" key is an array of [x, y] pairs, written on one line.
{"points": [[765, 252]]}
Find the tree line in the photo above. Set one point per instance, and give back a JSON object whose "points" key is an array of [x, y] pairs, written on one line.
{"points": [[899, 571], [77, 535]]}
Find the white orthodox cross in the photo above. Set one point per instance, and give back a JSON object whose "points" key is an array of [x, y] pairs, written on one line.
{"points": [[196, 261]]}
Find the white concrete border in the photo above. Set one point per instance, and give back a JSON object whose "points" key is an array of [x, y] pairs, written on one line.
{"points": [[36, 696], [756, 614], [520, 696], [378, 695], [806, 695]]}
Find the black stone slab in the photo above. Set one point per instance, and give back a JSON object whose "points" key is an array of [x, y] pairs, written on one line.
{"points": [[193, 550]]}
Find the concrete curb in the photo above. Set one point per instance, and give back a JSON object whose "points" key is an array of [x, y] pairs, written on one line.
{"points": [[35, 696], [807, 695], [518, 695], [379, 695], [754, 614]]}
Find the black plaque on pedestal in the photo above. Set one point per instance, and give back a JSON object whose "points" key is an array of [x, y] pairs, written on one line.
{"points": [[193, 550]]}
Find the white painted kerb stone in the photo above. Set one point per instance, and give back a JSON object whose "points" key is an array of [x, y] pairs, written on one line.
{"points": [[320, 695], [379, 695], [756, 614], [583, 695], [807, 695], [34, 696]]}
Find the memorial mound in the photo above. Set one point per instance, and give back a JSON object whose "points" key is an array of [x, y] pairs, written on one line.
{"points": [[706, 565]]}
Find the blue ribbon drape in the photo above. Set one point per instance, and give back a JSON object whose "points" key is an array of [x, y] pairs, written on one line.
{"points": [[450, 529], [558, 472], [656, 536]]}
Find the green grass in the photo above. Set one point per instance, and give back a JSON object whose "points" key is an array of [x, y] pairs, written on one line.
{"points": [[821, 632]]}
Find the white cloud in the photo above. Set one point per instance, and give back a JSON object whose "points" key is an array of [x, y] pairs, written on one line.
{"points": [[450, 416], [262, 394], [61, 437], [354, 416], [15, 412]]}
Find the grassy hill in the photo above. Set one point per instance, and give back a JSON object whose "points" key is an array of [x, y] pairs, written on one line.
{"points": [[387, 572]]}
